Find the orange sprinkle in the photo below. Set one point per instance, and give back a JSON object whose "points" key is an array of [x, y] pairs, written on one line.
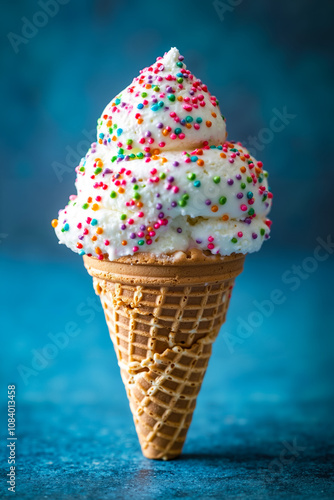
{"points": [[148, 86], [149, 228], [208, 123], [99, 163], [200, 163], [258, 170], [165, 132], [242, 158], [100, 141], [99, 230], [156, 151], [164, 160], [213, 114], [124, 242], [94, 238], [188, 125], [95, 207], [180, 98], [121, 190], [200, 151], [155, 157], [225, 217], [109, 123], [139, 204], [89, 199], [243, 169], [114, 138], [147, 236], [98, 250], [140, 120], [222, 155], [214, 208], [54, 223]]}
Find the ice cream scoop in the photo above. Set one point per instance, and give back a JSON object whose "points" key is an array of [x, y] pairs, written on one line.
{"points": [[161, 176]]}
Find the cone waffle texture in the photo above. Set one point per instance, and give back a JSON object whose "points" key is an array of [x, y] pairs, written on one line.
{"points": [[163, 316]]}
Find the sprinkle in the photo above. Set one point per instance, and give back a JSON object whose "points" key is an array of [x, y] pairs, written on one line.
{"points": [[54, 223], [222, 200], [216, 179], [197, 184], [93, 222], [214, 208]]}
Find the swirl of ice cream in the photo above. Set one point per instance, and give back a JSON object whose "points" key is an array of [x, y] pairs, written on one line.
{"points": [[162, 178]]}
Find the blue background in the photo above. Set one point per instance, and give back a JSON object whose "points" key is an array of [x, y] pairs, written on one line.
{"points": [[75, 432]]}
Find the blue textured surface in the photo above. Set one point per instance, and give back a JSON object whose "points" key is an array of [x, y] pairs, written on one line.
{"points": [[76, 437]]}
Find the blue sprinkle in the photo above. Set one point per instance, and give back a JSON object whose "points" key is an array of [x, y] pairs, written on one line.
{"points": [[199, 120], [117, 101], [179, 74], [160, 104], [66, 227], [219, 147], [183, 122], [101, 135], [109, 140], [140, 105], [93, 222], [155, 107], [119, 131], [120, 156], [82, 252], [197, 184], [194, 158]]}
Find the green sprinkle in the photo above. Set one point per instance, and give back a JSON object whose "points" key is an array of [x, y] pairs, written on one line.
{"points": [[234, 240], [136, 196], [185, 196], [179, 64], [113, 194], [249, 179], [242, 185], [265, 173], [251, 211], [129, 141], [189, 119], [191, 177], [136, 186], [82, 169], [97, 170], [179, 80], [182, 203], [260, 179], [132, 156], [123, 217], [178, 131], [222, 200], [171, 97], [216, 179], [121, 151], [141, 242], [85, 206], [162, 175], [199, 120], [140, 155], [156, 88], [144, 94], [114, 158], [262, 231], [110, 130]]}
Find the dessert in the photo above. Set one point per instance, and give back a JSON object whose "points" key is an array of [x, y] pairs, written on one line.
{"points": [[166, 210]]}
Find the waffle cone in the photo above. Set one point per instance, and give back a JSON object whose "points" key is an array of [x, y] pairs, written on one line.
{"points": [[163, 314]]}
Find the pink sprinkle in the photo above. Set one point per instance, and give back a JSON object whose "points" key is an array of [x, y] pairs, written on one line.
{"points": [[176, 189], [100, 256], [152, 233], [240, 234], [187, 160], [162, 144], [130, 221], [173, 136], [140, 234], [135, 249], [231, 160], [142, 140], [148, 242], [172, 114], [187, 107], [153, 171], [106, 242], [156, 225], [211, 246], [79, 226], [169, 187], [243, 208], [182, 135], [211, 238], [196, 126], [141, 214]]}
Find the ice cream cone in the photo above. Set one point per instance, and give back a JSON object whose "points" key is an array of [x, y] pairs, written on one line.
{"points": [[163, 314]]}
